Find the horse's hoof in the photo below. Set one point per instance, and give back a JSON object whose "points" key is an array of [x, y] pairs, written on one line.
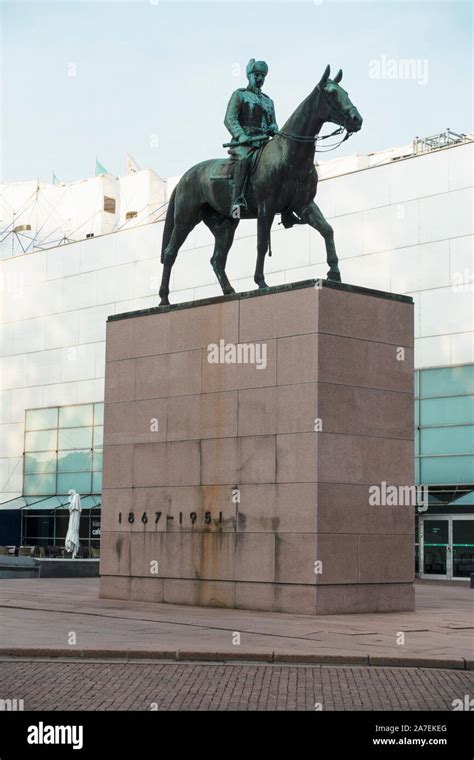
{"points": [[262, 285], [228, 291], [164, 302], [334, 276]]}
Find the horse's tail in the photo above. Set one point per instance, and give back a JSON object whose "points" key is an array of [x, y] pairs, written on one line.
{"points": [[169, 225]]}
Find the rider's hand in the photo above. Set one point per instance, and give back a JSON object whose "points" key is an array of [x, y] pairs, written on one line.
{"points": [[243, 138]]}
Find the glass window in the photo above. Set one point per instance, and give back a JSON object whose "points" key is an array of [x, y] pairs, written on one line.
{"points": [[463, 548], [75, 438], [40, 461], [97, 482], [63, 450], [417, 413], [39, 485], [97, 461], [62, 523], [447, 381], [447, 440], [98, 414], [446, 470], [74, 461], [76, 416], [417, 472], [98, 436], [41, 419], [80, 481], [43, 440], [447, 411], [436, 532], [463, 532]]}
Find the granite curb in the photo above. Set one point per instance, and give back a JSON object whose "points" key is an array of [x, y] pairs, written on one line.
{"points": [[184, 655]]}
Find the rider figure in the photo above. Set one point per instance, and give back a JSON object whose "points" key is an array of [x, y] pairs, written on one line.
{"points": [[250, 119], [250, 114]]}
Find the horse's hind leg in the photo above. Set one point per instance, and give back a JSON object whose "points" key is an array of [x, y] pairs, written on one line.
{"points": [[178, 236], [223, 228]]}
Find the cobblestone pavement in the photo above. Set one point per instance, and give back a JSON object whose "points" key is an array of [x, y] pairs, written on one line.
{"points": [[147, 685]]}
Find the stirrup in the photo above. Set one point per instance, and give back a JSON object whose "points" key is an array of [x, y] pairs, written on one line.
{"points": [[239, 202]]}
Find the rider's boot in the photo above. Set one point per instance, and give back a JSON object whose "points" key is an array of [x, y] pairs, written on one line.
{"points": [[240, 175]]}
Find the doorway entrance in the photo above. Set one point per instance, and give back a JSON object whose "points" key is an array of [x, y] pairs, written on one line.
{"points": [[447, 547]]}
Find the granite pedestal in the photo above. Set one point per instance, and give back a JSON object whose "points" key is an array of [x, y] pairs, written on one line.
{"points": [[242, 437]]}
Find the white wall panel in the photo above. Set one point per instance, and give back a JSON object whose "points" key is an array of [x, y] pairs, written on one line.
{"points": [[419, 176], [461, 256], [362, 190], [99, 359], [193, 268], [77, 363], [28, 335], [80, 291], [433, 352], [371, 271], [348, 238], [29, 268], [11, 440], [99, 253], [390, 227], [60, 394], [25, 398], [461, 166], [15, 477], [6, 339], [61, 330], [447, 215], [13, 372], [420, 267], [138, 243], [115, 283], [444, 311], [147, 277], [462, 348], [5, 407], [92, 323], [90, 390], [290, 249], [326, 197], [64, 261], [44, 367]]}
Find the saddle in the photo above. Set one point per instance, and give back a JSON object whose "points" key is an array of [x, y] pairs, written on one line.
{"points": [[224, 167]]}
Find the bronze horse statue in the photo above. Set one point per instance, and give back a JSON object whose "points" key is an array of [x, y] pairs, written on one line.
{"points": [[284, 179]]}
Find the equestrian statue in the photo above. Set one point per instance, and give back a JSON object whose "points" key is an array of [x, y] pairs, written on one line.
{"points": [[270, 171]]}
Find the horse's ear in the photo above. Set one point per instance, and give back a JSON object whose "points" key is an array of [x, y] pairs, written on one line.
{"points": [[325, 76], [338, 77]]}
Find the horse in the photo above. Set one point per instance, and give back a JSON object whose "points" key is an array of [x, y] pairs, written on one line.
{"points": [[284, 179]]}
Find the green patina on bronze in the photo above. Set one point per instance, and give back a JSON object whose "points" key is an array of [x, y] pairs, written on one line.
{"points": [[272, 172]]}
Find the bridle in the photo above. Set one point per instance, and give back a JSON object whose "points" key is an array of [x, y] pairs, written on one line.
{"points": [[333, 110]]}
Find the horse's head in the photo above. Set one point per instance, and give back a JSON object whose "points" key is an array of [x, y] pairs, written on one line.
{"points": [[335, 105]]}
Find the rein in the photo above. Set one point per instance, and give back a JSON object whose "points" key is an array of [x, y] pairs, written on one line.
{"points": [[306, 139]]}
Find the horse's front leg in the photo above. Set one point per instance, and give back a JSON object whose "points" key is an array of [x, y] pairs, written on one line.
{"points": [[264, 224], [313, 216]]}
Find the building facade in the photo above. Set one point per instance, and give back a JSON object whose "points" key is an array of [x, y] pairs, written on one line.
{"points": [[402, 222]]}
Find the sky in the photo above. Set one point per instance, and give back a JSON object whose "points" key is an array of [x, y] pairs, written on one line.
{"points": [[81, 80]]}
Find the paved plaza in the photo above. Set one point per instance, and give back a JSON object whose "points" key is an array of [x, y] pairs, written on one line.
{"points": [[98, 654], [66, 617]]}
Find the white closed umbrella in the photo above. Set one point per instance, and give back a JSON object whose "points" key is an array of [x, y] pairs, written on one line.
{"points": [[72, 536]]}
